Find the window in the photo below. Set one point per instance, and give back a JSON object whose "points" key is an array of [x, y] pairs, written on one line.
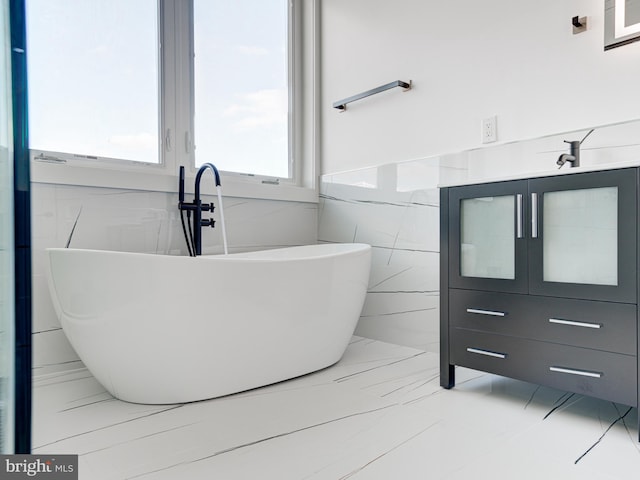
{"points": [[135, 89], [242, 85], [94, 78]]}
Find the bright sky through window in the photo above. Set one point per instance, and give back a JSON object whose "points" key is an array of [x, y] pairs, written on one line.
{"points": [[93, 77], [241, 85], [94, 80]]}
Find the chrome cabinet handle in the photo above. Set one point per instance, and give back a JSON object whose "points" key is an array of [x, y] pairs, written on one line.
{"points": [[487, 353], [571, 371], [573, 323], [486, 312], [534, 215], [519, 229]]}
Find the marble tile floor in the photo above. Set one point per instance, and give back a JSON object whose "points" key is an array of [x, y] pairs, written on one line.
{"points": [[378, 414]]}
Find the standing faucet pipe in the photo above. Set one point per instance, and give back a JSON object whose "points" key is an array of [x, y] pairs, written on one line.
{"points": [[197, 217], [182, 207], [194, 239]]}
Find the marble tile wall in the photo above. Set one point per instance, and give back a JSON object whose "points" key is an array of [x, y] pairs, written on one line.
{"points": [[605, 145], [402, 227], [137, 221], [394, 207]]}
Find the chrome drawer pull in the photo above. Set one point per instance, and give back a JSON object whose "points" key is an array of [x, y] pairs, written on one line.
{"points": [[570, 371], [486, 312], [486, 352], [573, 323]]}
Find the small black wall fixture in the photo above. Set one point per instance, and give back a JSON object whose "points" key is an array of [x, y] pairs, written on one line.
{"points": [[342, 104], [579, 24]]}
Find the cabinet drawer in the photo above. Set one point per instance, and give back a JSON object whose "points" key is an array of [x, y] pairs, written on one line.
{"points": [[605, 375], [604, 326]]}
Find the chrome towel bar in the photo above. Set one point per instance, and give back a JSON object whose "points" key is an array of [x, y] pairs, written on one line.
{"points": [[342, 104]]}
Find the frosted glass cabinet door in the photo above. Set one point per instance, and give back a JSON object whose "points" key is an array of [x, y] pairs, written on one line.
{"points": [[585, 245], [487, 243], [487, 231], [580, 243]]}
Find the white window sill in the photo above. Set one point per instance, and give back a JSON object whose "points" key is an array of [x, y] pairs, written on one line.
{"points": [[153, 178]]}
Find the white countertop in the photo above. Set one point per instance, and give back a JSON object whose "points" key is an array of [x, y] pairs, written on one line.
{"points": [[543, 173]]}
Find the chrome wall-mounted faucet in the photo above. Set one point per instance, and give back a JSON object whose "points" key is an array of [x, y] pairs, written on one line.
{"points": [[573, 157]]}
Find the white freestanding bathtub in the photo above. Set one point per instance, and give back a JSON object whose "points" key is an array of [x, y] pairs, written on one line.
{"points": [[166, 329]]}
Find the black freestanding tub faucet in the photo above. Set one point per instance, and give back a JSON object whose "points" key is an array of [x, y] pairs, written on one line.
{"points": [[194, 236]]}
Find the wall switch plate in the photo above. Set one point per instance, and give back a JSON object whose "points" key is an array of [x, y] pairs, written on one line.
{"points": [[489, 130]]}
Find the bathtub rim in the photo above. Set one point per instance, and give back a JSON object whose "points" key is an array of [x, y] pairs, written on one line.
{"points": [[345, 248]]}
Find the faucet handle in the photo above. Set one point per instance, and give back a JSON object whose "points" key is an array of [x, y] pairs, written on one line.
{"points": [[208, 222]]}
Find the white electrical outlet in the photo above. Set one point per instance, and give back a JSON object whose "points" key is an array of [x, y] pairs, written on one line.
{"points": [[489, 130]]}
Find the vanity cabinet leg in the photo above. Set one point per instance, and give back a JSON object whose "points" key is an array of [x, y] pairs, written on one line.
{"points": [[447, 375]]}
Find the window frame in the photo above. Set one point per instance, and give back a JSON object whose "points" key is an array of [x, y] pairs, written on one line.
{"points": [[176, 106]]}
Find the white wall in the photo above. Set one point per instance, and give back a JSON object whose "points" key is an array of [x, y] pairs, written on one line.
{"points": [[468, 60]]}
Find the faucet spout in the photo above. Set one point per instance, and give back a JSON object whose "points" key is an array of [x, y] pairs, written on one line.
{"points": [[201, 170], [564, 158]]}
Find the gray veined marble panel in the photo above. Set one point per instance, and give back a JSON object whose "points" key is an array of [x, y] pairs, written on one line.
{"points": [[403, 317], [403, 228], [261, 224], [402, 220], [404, 270]]}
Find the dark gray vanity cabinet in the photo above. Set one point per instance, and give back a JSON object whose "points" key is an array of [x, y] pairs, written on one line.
{"points": [[539, 281]]}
